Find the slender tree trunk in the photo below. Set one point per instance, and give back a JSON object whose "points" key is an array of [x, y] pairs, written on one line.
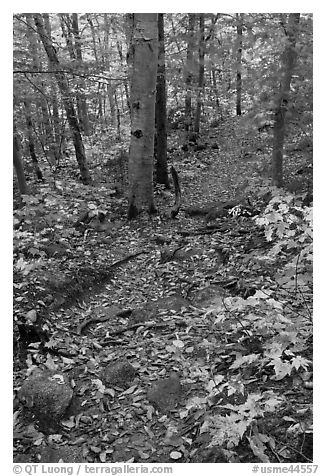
{"points": [[65, 23], [110, 88], [113, 113], [118, 117], [18, 164], [239, 59], [42, 103], [91, 24], [98, 66], [66, 97], [162, 175], [143, 92], [31, 143], [212, 64], [125, 83], [79, 59], [176, 36], [288, 63], [100, 102], [105, 49], [189, 73], [201, 72], [58, 128], [215, 88], [70, 31]]}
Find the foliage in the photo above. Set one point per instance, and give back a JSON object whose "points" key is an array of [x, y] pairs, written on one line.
{"points": [[269, 331], [289, 227], [244, 353]]}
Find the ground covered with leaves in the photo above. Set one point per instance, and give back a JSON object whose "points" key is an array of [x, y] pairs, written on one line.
{"points": [[177, 340]]}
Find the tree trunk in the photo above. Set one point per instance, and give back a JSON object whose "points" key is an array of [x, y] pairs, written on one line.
{"points": [[31, 143], [239, 59], [288, 62], [125, 83], [91, 24], [95, 41], [162, 175], [58, 128], [65, 24], [18, 164], [66, 97], [113, 113], [70, 30], [118, 117], [110, 88], [215, 89], [189, 73], [177, 193], [143, 92], [83, 113], [212, 65], [201, 56], [50, 140]]}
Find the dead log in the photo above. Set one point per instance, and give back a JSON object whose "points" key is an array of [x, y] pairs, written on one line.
{"points": [[213, 210]]}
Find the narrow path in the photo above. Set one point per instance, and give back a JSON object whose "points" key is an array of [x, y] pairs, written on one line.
{"points": [[180, 351]]}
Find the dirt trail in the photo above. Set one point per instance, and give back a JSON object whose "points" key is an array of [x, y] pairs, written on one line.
{"points": [[175, 347]]}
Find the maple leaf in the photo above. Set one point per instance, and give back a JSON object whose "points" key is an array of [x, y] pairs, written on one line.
{"points": [[299, 361], [269, 234], [244, 360], [281, 368], [258, 447]]}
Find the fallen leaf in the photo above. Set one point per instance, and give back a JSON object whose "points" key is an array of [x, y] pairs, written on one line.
{"points": [[103, 457], [95, 449], [31, 316], [129, 390], [143, 455], [178, 343], [50, 364], [175, 455]]}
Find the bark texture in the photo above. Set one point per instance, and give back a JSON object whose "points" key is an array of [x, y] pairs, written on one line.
{"points": [[162, 175], [66, 98], [239, 59], [31, 142], [288, 63], [81, 99], [18, 164], [201, 71], [189, 73], [48, 137], [143, 92]]}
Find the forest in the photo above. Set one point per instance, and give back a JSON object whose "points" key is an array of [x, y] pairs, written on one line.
{"points": [[162, 238]]}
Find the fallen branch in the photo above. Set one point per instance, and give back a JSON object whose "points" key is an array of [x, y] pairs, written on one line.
{"points": [[177, 190], [200, 231], [97, 319], [127, 258], [148, 325]]}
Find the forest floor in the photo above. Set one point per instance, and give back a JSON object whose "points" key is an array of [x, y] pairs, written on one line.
{"points": [[181, 342]]}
